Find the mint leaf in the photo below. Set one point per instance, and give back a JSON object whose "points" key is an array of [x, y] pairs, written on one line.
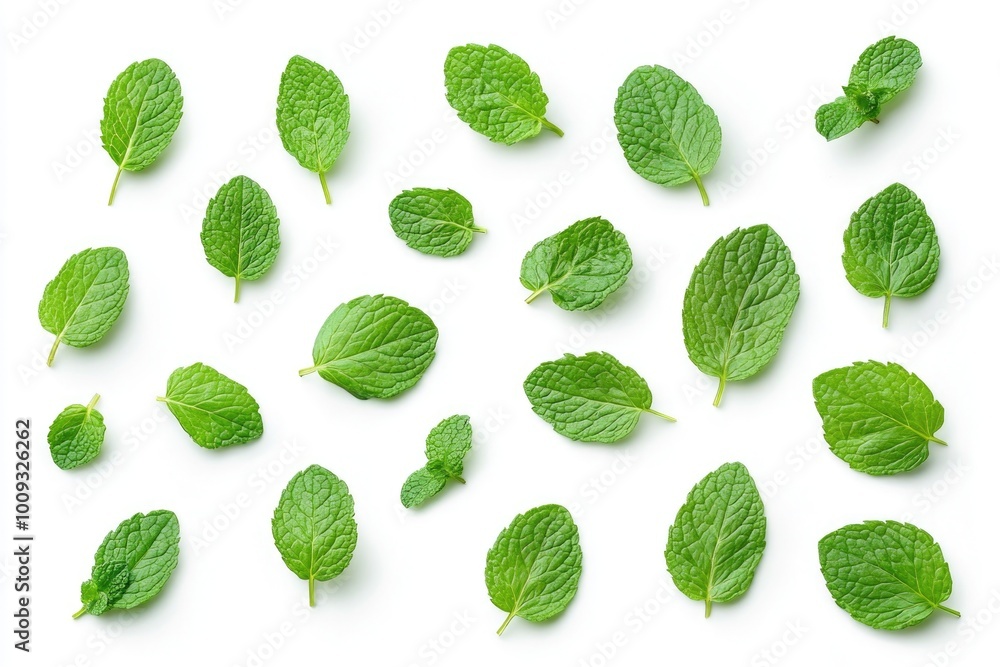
{"points": [[435, 222], [85, 298], [885, 574], [374, 346], [313, 114], [213, 409], [76, 435], [885, 69], [669, 135], [240, 231], [314, 528], [738, 303], [580, 266], [446, 447], [496, 93], [717, 539], [590, 398], [891, 247], [534, 567], [141, 114], [879, 418], [132, 564]]}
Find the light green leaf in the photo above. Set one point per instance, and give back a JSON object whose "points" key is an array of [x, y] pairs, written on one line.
{"points": [[374, 346], [534, 567], [891, 247], [314, 528], [580, 266], [85, 298], [591, 398], [879, 418], [885, 574], [669, 135], [445, 448], [423, 484], [717, 539], [141, 114], [496, 93], [435, 222], [240, 231], [213, 409], [738, 303], [133, 563], [76, 435], [313, 115]]}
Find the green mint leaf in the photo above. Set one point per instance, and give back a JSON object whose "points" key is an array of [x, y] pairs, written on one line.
{"points": [[534, 567], [879, 418], [133, 563], [885, 574], [314, 527], [580, 266], [85, 298], [423, 484], [435, 222], [668, 133], [891, 247], [213, 409], [885, 69], [496, 93], [76, 435], [240, 231], [374, 346], [717, 539], [738, 303], [313, 115], [446, 447], [590, 398], [141, 114]]}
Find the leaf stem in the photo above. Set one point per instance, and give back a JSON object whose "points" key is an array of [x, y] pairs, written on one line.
{"points": [[326, 190], [534, 295], [114, 186], [312, 592], [93, 402], [885, 311], [708, 607], [307, 371], [52, 352], [701, 187], [83, 610], [506, 622], [659, 414], [551, 126], [162, 399], [718, 394], [937, 440], [236, 298], [481, 230], [949, 610]]}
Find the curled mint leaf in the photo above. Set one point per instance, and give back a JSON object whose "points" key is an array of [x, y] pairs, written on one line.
{"points": [[445, 448], [76, 435]]}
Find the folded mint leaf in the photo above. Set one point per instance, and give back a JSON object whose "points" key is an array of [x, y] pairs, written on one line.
{"points": [[141, 113], [214, 410], [590, 398], [133, 563], [85, 298], [435, 222], [240, 231], [534, 567], [374, 346], [717, 539], [313, 115], [669, 135], [891, 247], [445, 448], [879, 418], [738, 303], [314, 528], [423, 484], [496, 93], [885, 574], [580, 266], [76, 435]]}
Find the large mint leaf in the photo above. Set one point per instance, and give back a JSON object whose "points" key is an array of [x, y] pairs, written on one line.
{"points": [[214, 410]]}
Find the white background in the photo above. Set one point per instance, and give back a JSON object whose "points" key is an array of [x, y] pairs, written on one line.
{"points": [[763, 66]]}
